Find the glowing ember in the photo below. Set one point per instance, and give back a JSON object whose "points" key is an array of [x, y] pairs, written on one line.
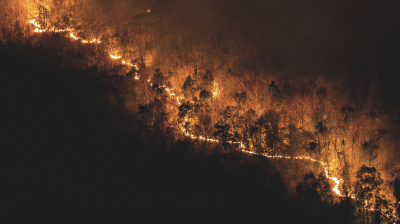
{"points": [[115, 57], [337, 181], [215, 92], [73, 36], [95, 41], [37, 26]]}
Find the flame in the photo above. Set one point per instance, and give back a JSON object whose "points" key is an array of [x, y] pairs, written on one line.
{"points": [[115, 57], [39, 30], [73, 36], [337, 181], [95, 41], [36, 25], [215, 92]]}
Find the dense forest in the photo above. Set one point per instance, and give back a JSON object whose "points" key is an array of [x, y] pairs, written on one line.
{"points": [[272, 110]]}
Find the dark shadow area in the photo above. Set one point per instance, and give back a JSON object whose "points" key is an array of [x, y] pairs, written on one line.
{"points": [[60, 165], [72, 152]]}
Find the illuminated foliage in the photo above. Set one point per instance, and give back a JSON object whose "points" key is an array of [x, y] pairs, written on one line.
{"points": [[368, 186], [368, 191], [369, 151], [241, 98], [220, 87]]}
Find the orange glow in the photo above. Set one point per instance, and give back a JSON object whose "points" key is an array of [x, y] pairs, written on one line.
{"points": [[215, 92], [95, 41], [115, 57], [73, 36], [37, 26]]}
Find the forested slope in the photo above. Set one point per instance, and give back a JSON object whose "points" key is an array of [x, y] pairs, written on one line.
{"points": [[94, 85]]}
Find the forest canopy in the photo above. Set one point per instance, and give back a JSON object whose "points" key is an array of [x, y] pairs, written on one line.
{"points": [[288, 79]]}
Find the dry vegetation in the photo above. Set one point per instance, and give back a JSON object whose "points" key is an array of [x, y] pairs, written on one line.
{"points": [[237, 80]]}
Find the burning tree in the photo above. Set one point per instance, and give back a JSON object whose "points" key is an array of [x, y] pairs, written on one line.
{"points": [[368, 194]]}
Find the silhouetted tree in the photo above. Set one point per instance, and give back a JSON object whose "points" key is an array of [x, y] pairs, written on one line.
{"points": [[344, 211], [222, 132], [315, 194]]}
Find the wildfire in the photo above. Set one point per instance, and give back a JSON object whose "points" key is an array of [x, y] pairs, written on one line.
{"points": [[337, 181], [37, 26], [73, 36], [129, 64], [215, 90], [96, 41], [115, 57], [242, 146], [215, 93], [39, 30], [60, 30]]}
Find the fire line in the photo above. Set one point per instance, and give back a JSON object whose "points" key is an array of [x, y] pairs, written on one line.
{"points": [[337, 181]]}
